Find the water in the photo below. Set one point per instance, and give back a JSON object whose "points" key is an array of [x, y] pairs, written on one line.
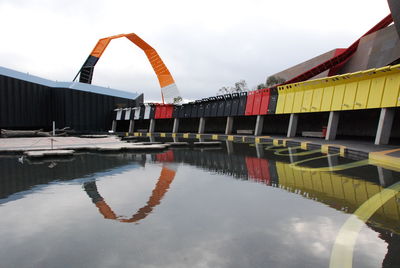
{"points": [[237, 206]]}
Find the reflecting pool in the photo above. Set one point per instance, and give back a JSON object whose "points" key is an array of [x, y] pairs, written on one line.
{"points": [[238, 205]]}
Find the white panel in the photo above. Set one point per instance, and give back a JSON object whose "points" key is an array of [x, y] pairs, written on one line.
{"points": [[137, 113], [128, 113], [147, 111], [170, 92], [119, 114]]}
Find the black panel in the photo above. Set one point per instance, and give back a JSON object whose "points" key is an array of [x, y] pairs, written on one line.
{"points": [[152, 110], [235, 104], [273, 100], [228, 104], [221, 105], [214, 107], [242, 103]]}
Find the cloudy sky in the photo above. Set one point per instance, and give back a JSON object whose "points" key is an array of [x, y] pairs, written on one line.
{"points": [[205, 44]]}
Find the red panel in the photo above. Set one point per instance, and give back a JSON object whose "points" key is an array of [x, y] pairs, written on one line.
{"points": [[170, 110], [158, 111], [266, 178], [249, 103], [257, 102], [264, 101], [250, 168], [257, 169], [163, 111]]}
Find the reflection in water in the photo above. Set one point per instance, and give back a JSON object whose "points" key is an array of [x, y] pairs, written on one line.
{"points": [[305, 173], [166, 177]]}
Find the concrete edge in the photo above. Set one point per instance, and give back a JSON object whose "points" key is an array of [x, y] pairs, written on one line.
{"points": [[379, 158]]}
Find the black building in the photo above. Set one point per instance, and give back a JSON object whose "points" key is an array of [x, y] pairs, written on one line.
{"points": [[30, 102]]}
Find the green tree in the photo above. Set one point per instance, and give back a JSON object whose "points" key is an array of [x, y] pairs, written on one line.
{"points": [[274, 80]]}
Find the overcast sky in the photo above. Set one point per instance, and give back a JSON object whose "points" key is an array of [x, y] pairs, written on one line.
{"points": [[205, 44]]}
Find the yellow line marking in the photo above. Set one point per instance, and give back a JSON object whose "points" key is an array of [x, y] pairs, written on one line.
{"points": [[325, 148], [230, 138], [214, 137], [186, 135], [135, 134], [303, 145], [198, 136], [126, 134], [342, 251], [342, 151], [148, 134], [360, 163], [163, 135], [383, 159], [279, 152], [243, 139], [257, 140], [173, 135], [275, 142]]}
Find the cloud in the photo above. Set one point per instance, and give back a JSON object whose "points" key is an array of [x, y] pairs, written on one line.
{"points": [[206, 45]]}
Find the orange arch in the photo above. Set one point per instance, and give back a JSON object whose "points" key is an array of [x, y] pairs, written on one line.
{"points": [[164, 76]]}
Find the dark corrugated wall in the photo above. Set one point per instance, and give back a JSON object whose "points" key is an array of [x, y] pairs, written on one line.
{"points": [[26, 105]]}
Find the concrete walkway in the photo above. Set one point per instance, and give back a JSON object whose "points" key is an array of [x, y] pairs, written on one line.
{"points": [[110, 143]]}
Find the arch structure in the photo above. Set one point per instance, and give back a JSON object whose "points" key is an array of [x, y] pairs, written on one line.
{"points": [[166, 177], [169, 90]]}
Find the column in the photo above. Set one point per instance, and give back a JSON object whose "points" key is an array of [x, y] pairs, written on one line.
{"points": [[333, 122], [259, 125], [229, 125], [131, 126], [114, 126], [152, 125], [202, 125], [384, 126], [294, 118], [176, 125]]}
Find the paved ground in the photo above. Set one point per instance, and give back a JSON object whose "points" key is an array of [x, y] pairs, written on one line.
{"points": [[45, 143]]}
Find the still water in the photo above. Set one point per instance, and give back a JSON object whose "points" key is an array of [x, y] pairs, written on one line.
{"points": [[241, 205]]}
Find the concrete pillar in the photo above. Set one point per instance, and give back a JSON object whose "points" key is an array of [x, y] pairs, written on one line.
{"points": [[292, 128], [229, 125], [384, 126], [131, 126], [385, 176], [202, 125], [333, 122], [259, 150], [259, 125], [229, 146], [152, 125], [292, 157], [333, 160], [176, 125], [114, 126]]}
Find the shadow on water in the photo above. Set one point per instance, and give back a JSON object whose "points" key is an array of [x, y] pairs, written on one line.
{"points": [[341, 184]]}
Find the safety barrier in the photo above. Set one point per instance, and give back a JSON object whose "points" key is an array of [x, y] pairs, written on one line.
{"points": [[374, 88]]}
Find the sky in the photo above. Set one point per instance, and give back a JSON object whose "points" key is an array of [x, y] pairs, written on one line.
{"points": [[205, 44]]}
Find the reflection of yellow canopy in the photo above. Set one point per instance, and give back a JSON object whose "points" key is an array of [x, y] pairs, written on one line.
{"points": [[338, 191]]}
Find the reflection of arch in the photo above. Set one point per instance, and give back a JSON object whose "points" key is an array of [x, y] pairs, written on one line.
{"points": [[167, 83], [166, 177]]}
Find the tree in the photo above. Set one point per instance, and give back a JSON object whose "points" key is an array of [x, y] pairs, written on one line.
{"points": [[261, 86], [177, 100], [274, 80], [239, 86]]}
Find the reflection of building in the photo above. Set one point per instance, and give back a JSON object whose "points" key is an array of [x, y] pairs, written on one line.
{"points": [[338, 190], [17, 177]]}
